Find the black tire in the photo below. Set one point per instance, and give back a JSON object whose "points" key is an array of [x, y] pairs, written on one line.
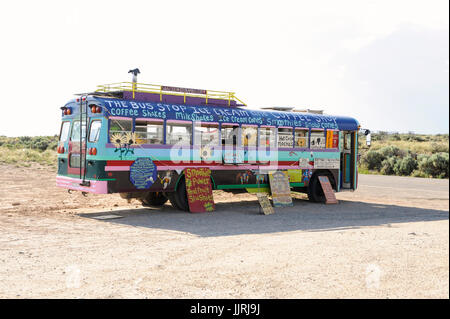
{"points": [[180, 196], [171, 197], [315, 192], [154, 199]]}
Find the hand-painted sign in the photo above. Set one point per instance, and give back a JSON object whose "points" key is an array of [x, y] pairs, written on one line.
{"points": [[285, 140], [265, 203], [116, 107], [143, 173], [327, 163], [183, 90], [199, 190], [330, 198], [280, 189]]}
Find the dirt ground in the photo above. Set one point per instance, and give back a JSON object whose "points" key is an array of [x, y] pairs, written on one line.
{"points": [[389, 239]]}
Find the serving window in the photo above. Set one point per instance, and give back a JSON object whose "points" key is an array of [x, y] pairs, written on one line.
{"points": [[149, 132], [229, 134], [207, 134], [179, 133], [118, 129], [318, 139], [301, 137], [285, 138], [267, 137], [332, 139], [249, 135]]}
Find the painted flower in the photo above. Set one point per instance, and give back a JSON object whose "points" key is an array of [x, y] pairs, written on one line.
{"points": [[205, 152], [117, 139], [130, 138]]}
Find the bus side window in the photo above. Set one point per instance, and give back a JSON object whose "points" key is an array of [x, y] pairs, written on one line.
{"points": [[249, 135], [64, 133], [206, 134], [318, 139], [118, 129], [180, 134], [267, 137], [148, 132], [229, 135], [301, 138], [76, 131], [285, 138], [94, 132]]}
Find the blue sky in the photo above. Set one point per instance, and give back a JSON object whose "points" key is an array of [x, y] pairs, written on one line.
{"points": [[385, 63]]}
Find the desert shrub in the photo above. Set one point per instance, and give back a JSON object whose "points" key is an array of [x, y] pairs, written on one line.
{"points": [[372, 160], [405, 166], [388, 166], [389, 151], [439, 147], [435, 165]]}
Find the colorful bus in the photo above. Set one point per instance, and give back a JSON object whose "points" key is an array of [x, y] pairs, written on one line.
{"points": [[137, 140]]}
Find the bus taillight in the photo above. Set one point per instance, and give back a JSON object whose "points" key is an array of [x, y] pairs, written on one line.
{"points": [[92, 151]]}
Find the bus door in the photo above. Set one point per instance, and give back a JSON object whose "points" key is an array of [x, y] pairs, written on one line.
{"points": [[77, 154], [232, 151], [348, 139]]}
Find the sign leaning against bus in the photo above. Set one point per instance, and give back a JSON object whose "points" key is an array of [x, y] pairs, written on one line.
{"points": [[139, 140]]}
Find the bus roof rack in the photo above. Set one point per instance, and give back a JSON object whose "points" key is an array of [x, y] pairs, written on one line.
{"points": [[169, 94], [278, 108]]}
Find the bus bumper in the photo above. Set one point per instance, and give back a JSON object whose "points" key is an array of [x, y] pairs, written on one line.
{"points": [[96, 187]]}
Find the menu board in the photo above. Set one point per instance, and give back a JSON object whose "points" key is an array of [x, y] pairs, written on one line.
{"points": [[265, 203], [199, 190], [143, 173], [281, 191], [327, 190]]}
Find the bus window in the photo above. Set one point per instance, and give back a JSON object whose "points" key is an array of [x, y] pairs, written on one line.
{"points": [[120, 126], [249, 135], [207, 134], [317, 139], [180, 134], [285, 138], [94, 133], [229, 135], [64, 134], [301, 138], [332, 139], [267, 137], [148, 132], [76, 131]]}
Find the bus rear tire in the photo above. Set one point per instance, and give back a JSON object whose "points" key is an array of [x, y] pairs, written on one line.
{"points": [[315, 192], [178, 198], [154, 199]]}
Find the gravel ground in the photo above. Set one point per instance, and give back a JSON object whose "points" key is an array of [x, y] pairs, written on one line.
{"points": [[389, 239]]}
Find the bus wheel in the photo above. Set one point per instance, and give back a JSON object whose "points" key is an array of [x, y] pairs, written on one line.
{"points": [[154, 199], [181, 195], [178, 198], [315, 192]]}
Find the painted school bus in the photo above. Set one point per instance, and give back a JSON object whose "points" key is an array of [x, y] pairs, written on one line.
{"points": [[137, 140]]}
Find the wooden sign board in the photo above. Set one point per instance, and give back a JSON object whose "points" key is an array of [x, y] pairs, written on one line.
{"points": [[280, 189], [327, 190], [265, 203], [199, 190]]}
